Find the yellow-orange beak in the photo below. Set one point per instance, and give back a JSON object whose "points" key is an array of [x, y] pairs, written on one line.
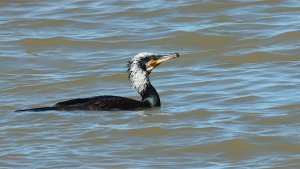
{"points": [[161, 58]]}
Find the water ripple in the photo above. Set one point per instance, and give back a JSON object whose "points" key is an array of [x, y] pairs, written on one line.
{"points": [[230, 101]]}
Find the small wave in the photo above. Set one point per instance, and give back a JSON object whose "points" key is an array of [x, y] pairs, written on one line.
{"points": [[57, 41], [39, 23], [206, 7], [258, 57], [233, 148], [288, 107], [193, 40], [286, 36], [276, 120]]}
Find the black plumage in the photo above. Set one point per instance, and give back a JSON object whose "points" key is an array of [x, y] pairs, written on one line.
{"points": [[139, 69]]}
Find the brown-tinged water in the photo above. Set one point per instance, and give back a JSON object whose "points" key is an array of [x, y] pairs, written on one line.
{"points": [[231, 101]]}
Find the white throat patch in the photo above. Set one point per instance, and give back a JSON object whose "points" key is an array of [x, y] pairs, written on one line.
{"points": [[139, 79], [138, 76]]}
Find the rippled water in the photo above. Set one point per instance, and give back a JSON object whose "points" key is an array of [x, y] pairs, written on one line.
{"points": [[231, 101]]}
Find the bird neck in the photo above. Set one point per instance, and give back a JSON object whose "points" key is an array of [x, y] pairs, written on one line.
{"points": [[141, 83], [150, 96]]}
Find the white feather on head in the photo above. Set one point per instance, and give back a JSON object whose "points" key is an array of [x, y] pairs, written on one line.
{"points": [[137, 75]]}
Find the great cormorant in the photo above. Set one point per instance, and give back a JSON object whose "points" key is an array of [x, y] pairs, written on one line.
{"points": [[139, 69]]}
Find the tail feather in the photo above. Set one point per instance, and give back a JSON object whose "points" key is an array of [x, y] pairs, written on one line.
{"points": [[37, 109]]}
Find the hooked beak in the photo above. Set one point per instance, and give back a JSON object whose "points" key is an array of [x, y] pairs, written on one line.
{"points": [[159, 60]]}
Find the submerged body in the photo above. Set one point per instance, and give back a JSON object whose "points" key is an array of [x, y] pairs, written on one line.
{"points": [[97, 103], [139, 69]]}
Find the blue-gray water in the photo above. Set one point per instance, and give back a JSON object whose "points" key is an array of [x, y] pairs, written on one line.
{"points": [[231, 101]]}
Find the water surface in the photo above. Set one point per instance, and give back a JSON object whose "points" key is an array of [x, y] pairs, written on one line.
{"points": [[231, 101]]}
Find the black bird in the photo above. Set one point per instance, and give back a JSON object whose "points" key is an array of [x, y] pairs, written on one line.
{"points": [[139, 69]]}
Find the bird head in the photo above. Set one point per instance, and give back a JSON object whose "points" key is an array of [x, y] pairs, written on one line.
{"points": [[141, 65], [148, 61]]}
